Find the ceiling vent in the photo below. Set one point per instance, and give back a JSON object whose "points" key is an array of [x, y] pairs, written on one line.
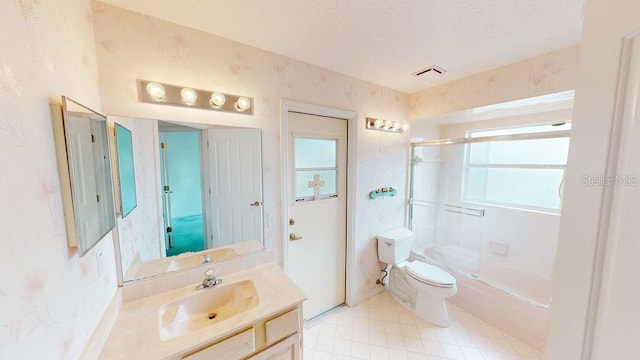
{"points": [[429, 73]]}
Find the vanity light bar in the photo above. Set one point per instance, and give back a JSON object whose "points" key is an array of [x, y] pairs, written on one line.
{"points": [[154, 92], [386, 125]]}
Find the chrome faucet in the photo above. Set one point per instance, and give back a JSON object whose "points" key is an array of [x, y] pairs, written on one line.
{"points": [[206, 259], [209, 280]]}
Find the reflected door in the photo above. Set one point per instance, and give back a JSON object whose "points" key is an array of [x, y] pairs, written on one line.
{"points": [[235, 180], [82, 141], [317, 207], [182, 191]]}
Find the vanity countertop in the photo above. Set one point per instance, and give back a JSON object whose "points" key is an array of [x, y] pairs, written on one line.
{"points": [[136, 332]]}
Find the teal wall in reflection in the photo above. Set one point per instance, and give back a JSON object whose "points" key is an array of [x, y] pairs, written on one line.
{"points": [[126, 171]]}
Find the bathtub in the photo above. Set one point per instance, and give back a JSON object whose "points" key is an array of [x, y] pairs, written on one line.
{"points": [[518, 316]]}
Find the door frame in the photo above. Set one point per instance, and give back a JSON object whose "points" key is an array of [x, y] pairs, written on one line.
{"points": [[587, 241], [351, 116]]}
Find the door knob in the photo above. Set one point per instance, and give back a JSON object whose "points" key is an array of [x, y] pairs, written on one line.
{"points": [[257, 203], [293, 237]]}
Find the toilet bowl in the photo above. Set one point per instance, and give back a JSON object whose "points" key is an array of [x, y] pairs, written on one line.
{"points": [[419, 286]]}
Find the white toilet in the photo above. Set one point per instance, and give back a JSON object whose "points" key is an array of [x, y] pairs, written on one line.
{"points": [[419, 286]]}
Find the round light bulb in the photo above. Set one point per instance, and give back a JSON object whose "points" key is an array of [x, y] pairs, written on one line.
{"points": [[217, 100], [378, 123], [243, 103], [189, 96], [396, 126], [405, 127], [156, 91], [388, 124]]}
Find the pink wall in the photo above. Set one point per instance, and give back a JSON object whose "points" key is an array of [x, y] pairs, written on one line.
{"points": [[51, 298], [131, 46], [540, 75]]}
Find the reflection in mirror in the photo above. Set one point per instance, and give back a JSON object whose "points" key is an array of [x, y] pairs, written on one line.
{"points": [[199, 193], [126, 170], [85, 174]]}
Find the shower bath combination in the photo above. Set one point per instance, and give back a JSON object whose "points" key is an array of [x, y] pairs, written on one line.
{"points": [[486, 208]]}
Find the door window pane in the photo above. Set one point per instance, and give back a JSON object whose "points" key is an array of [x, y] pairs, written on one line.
{"points": [[315, 153], [315, 157], [303, 177]]}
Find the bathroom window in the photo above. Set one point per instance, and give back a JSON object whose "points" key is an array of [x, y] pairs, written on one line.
{"points": [[525, 174], [315, 168]]}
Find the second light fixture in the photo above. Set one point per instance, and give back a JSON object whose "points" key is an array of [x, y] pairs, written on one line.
{"points": [[160, 93]]}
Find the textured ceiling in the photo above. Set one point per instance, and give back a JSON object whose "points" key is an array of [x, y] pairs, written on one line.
{"points": [[384, 41]]}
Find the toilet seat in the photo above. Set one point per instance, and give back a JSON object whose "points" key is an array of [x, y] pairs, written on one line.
{"points": [[429, 274]]}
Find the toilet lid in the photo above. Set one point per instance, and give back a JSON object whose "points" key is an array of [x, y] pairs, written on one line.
{"points": [[429, 274]]}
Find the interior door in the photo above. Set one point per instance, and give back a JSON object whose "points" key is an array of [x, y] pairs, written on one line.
{"points": [[235, 180], [317, 209]]}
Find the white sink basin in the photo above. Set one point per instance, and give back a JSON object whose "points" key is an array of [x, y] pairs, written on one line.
{"points": [[206, 307]]}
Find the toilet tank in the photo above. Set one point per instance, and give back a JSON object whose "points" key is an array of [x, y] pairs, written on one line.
{"points": [[394, 246]]}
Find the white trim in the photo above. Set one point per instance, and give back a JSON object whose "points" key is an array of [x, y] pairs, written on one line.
{"points": [[612, 203], [159, 195], [285, 107], [584, 238]]}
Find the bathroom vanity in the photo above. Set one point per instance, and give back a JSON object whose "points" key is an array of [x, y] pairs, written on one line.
{"points": [[253, 314]]}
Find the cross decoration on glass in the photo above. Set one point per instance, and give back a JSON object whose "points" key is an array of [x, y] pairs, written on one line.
{"points": [[316, 184]]}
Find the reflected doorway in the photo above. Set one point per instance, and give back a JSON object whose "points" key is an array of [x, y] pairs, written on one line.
{"points": [[181, 175]]}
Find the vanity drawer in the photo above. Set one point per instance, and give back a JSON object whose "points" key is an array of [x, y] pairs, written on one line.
{"points": [[282, 326], [235, 347]]}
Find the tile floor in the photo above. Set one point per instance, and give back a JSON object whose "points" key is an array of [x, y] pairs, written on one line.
{"points": [[381, 328]]}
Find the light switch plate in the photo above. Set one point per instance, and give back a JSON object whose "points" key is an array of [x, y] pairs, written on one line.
{"points": [[100, 262]]}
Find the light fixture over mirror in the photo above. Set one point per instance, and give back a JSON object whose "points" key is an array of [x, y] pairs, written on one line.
{"points": [[159, 93], [217, 100], [156, 91], [242, 104], [386, 125], [188, 96]]}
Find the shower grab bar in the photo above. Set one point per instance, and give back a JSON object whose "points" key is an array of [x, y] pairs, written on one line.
{"points": [[464, 210]]}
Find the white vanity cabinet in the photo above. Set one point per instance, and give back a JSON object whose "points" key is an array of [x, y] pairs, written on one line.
{"points": [[288, 349], [275, 338], [235, 347], [258, 314]]}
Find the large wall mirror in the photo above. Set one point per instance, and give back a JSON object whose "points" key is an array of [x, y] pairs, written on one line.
{"points": [[82, 148], [199, 191]]}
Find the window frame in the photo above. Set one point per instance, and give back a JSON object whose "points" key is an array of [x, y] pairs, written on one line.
{"points": [[295, 169], [467, 165]]}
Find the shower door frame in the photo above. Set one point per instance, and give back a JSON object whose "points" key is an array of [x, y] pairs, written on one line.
{"points": [[470, 140]]}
